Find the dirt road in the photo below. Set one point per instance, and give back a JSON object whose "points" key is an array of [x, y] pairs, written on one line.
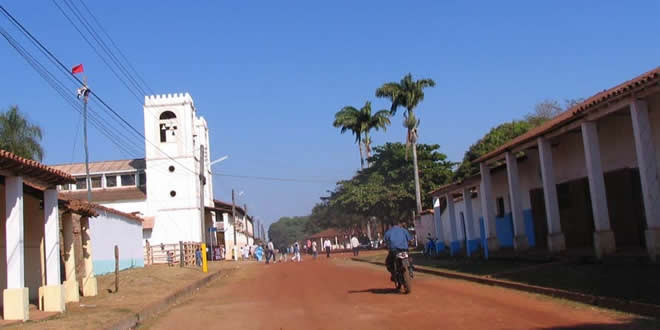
{"points": [[341, 294]]}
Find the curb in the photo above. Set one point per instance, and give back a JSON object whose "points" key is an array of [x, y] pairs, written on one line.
{"points": [[606, 302], [151, 310]]}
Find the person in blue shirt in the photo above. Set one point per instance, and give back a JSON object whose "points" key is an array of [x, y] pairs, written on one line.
{"points": [[396, 239]]}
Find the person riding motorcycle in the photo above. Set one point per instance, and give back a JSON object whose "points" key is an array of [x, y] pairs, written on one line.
{"points": [[397, 239]]}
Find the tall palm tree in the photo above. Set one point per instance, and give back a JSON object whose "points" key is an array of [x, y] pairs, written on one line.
{"points": [[19, 136], [378, 120], [361, 122], [348, 119], [408, 93]]}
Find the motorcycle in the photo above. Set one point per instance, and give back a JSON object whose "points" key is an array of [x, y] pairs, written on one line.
{"points": [[403, 271]]}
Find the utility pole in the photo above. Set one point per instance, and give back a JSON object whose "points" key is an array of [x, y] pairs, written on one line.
{"points": [[201, 192], [201, 208], [84, 93], [247, 231], [233, 218]]}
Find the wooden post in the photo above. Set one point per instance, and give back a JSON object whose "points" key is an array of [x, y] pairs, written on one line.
{"points": [[181, 254], [116, 268]]}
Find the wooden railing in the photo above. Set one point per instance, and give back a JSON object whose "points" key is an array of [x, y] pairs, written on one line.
{"points": [[179, 254]]}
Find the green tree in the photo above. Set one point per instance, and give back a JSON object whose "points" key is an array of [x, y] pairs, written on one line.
{"points": [[491, 141], [408, 93], [543, 111], [361, 122], [287, 230], [386, 189], [19, 136]]}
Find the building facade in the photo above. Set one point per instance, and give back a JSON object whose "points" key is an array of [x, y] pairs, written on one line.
{"points": [[164, 187], [585, 180]]}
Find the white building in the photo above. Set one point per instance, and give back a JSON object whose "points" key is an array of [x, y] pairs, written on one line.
{"points": [[586, 180], [164, 187]]}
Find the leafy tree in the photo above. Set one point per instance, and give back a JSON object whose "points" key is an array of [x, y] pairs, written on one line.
{"points": [[287, 230], [543, 111], [19, 136], [408, 93], [386, 189], [361, 122], [491, 141]]}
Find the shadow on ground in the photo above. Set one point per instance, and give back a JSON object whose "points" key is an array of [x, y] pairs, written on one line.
{"points": [[638, 323], [377, 291]]}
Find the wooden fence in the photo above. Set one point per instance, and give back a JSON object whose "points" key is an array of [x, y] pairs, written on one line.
{"points": [[180, 254]]}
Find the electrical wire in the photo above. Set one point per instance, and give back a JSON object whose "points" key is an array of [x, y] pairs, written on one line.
{"points": [[94, 94], [265, 178], [105, 32]]}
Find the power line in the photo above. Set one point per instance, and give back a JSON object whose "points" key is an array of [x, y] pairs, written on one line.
{"points": [[94, 94], [59, 87], [95, 49], [130, 65], [266, 178]]}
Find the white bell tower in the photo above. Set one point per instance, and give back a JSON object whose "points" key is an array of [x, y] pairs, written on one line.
{"points": [[173, 136]]}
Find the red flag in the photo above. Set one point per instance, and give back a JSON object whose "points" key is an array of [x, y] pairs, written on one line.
{"points": [[77, 69]]}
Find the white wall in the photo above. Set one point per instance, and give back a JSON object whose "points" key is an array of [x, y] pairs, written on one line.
{"points": [[128, 206], [108, 230]]}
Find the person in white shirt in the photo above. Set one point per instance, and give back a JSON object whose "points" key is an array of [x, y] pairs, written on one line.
{"points": [[327, 245], [315, 251], [355, 245]]}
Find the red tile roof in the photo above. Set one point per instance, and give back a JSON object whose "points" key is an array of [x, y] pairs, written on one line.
{"points": [[591, 104], [329, 233], [33, 169], [91, 209], [227, 206], [106, 194], [128, 165]]}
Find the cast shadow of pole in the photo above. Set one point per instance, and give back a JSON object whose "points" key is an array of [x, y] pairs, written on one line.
{"points": [[376, 291]]}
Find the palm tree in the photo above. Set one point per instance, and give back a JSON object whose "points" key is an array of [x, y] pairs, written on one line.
{"points": [[19, 136], [408, 93], [361, 122], [378, 120], [347, 119]]}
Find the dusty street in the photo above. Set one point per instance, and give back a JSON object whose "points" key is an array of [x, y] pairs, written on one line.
{"points": [[342, 294]]}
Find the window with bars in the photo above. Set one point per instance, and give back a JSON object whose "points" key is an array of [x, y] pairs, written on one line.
{"points": [[81, 183], [111, 181], [127, 180], [96, 181]]}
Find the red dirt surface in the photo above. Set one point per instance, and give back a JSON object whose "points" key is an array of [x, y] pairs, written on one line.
{"points": [[341, 294]]}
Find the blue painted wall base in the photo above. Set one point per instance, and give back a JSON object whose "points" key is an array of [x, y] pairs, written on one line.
{"points": [[108, 266]]}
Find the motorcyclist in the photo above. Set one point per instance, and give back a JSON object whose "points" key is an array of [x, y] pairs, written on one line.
{"points": [[397, 239]]}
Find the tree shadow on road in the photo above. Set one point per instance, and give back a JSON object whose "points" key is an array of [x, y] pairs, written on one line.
{"points": [[376, 291], [635, 323]]}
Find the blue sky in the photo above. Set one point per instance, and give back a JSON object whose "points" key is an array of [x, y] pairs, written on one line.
{"points": [[268, 76]]}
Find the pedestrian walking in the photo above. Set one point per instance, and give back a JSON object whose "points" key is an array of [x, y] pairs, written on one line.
{"points": [[327, 245], [198, 257], [315, 252], [270, 252], [355, 245], [296, 252]]}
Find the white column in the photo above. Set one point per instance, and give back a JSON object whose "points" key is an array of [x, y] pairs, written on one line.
{"points": [[15, 297], [469, 219], [556, 240], [52, 237], [14, 232], [520, 241], [71, 291], [452, 222], [53, 292], [488, 207], [603, 236], [437, 219], [90, 286], [648, 172]]}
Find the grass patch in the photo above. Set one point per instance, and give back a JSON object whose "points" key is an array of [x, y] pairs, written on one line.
{"points": [[633, 281], [475, 266]]}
